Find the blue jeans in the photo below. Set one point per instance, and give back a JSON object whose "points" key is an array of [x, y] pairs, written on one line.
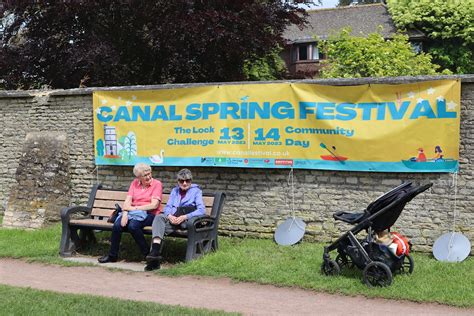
{"points": [[135, 228]]}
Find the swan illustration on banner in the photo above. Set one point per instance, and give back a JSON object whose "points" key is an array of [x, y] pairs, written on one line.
{"points": [[158, 159]]}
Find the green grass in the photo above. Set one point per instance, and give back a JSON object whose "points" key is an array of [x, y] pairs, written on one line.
{"points": [[26, 301], [265, 262]]}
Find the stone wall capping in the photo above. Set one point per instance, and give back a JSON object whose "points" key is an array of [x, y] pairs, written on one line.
{"points": [[336, 81]]}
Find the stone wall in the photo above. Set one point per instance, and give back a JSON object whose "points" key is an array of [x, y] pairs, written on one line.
{"points": [[257, 199], [42, 181]]}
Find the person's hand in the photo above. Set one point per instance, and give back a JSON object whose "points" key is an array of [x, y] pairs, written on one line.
{"points": [[180, 219], [124, 219], [172, 219]]}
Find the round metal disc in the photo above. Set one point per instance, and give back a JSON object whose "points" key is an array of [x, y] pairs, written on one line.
{"points": [[451, 247], [290, 231]]}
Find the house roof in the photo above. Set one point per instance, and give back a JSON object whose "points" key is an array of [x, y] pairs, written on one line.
{"points": [[363, 19]]}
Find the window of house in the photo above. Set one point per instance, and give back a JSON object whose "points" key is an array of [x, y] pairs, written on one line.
{"points": [[303, 52], [308, 51], [315, 52], [417, 47]]}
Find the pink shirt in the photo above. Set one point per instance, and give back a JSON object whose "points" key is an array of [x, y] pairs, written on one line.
{"points": [[141, 196]]}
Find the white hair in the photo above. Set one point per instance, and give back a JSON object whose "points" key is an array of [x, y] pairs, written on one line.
{"points": [[140, 168]]}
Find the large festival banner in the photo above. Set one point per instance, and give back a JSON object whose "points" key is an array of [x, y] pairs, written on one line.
{"points": [[375, 127]]}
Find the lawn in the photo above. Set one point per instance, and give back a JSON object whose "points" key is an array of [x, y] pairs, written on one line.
{"points": [[26, 301], [262, 261]]}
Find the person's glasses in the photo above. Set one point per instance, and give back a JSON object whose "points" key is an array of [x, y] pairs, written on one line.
{"points": [[184, 180], [146, 175]]}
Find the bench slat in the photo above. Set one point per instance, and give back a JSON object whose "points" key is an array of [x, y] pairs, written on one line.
{"points": [[108, 211], [208, 200], [102, 212], [91, 223], [111, 195], [106, 203]]}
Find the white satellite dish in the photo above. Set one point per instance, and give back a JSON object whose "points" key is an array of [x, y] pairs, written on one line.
{"points": [[451, 247], [292, 229]]}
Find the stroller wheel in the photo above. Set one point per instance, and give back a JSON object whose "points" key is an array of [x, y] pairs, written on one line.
{"points": [[377, 274], [408, 265], [330, 267], [344, 261]]}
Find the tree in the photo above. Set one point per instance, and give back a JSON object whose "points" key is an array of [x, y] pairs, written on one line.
{"points": [[128, 145], [449, 26], [63, 44], [268, 67], [355, 57], [343, 3]]}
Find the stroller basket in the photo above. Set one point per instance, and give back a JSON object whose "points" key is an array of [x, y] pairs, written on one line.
{"points": [[366, 254]]}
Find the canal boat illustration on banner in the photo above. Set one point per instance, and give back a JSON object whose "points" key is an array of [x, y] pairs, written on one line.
{"points": [[333, 156], [438, 162]]}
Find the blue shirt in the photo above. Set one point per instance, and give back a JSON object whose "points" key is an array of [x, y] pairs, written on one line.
{"points": [[193, 197], [136, 215]]}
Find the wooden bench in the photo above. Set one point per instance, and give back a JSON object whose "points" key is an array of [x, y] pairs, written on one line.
{"points": [[80, 222]]}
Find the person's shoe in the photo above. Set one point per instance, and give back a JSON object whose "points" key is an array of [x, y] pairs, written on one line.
{"points": [[106, 259], [152, 265], [155, 253]]}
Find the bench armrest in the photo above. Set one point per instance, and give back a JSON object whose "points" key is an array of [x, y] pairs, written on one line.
{"points": [[68, 211], [202, 223]]}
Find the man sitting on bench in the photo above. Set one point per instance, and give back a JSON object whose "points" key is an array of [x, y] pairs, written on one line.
{"points": [[185, 202]]}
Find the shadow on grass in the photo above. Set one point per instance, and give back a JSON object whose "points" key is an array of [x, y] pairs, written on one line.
{"points": [[263, 261], [174, 250]]}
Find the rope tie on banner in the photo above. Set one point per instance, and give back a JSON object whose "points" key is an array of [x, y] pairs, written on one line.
{"points": [[96, 170], [291, 184], [455, 186]]}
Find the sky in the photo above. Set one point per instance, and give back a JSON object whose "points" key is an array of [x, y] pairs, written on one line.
{"points": [[324, 4], [328, 3]]}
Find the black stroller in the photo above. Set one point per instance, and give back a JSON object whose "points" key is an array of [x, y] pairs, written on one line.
{"points": [[376, 261]]}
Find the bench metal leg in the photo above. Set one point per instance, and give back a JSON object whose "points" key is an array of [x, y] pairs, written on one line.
{"points": [[199, 247], [71, 240], [66, 247]]}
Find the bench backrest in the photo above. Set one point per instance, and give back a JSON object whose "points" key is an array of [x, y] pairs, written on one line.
{"points": [[103, 201]]}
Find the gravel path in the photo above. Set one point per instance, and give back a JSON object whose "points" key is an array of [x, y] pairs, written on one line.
{"points": [[210, 293]]}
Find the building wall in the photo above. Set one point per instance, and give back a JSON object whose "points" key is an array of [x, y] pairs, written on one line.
{"points": [[257, 199], [303, 69]]}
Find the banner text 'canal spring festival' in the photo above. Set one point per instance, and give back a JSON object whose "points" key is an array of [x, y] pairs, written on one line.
{"points": [[377, 127]]}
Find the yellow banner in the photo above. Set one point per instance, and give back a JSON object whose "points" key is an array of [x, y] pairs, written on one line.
{"points": [[376, 127]]}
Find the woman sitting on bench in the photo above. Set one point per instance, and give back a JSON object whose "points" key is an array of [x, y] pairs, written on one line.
{"points": [[139, 209], [185, 202]]}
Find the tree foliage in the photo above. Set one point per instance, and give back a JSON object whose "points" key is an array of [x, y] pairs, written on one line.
{"points": [[354, 57], [449, 26], [268, 67], [62, 44], [344, 3]]}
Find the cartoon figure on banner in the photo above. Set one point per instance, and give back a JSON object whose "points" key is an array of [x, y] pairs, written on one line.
{"points": [[438, 154], [333, 155], [421, 155]]}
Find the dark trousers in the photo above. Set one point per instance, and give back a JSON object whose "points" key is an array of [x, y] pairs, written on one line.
{"points": [[135, 228]]}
